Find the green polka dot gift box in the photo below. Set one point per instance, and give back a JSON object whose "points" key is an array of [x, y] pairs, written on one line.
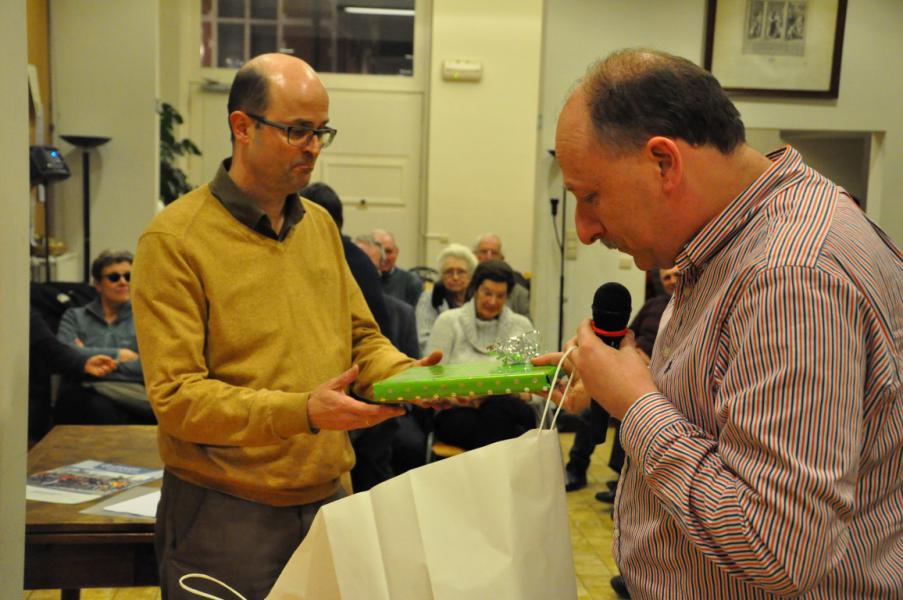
{"points": [[461, 380]]}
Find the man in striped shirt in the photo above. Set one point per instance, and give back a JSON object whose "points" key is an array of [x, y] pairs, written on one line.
{"points": [[765, 440]]}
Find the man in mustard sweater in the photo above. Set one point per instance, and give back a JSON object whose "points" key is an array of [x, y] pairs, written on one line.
{"points": [[251, 328]]}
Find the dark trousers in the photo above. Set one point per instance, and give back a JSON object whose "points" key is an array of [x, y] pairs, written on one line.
{"points": [[584, 444], [409, 449], [616, 460], [586, 437], [497, 418], [372, 455], [243, 544]]}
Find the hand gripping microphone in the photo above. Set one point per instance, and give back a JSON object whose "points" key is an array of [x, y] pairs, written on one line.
{"points": [[611, 311]]}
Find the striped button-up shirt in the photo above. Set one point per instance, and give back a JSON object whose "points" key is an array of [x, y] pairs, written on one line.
{"points": [[770, 463]]}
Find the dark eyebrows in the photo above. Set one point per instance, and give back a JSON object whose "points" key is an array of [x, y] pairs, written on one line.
{"points": [[309, 124]]}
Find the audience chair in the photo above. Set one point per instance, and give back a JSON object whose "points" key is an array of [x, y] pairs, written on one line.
{"points": [[428, 275], [436, 450]]}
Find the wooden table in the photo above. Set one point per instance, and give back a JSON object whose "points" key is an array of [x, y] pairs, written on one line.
{"points": [[68, 550]]}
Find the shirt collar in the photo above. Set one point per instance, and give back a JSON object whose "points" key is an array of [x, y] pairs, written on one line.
{"points": [[787, 164], [246, 211]]}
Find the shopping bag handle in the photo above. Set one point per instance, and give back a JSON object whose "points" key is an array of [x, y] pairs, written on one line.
{"points": [[201, 594], [564, 394]]}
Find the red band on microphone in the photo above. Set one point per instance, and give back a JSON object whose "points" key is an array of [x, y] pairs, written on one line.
{"points": [[620, 333]]}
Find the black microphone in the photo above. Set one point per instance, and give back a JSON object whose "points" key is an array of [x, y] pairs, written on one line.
{"points": [[611, 311]]}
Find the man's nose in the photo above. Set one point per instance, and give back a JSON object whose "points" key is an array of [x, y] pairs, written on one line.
{"points": [[313, 146], [587, 226]]}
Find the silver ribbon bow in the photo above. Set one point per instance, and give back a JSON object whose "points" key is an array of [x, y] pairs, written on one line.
{"points": [[517, 350]]}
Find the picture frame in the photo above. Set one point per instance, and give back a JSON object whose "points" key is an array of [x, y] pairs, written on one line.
{"points": [[790, 48]]}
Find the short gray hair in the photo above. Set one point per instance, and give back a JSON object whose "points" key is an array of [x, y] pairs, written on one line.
{"points": [[370, 242], [483, 236], [459, 251], [382, 233]]}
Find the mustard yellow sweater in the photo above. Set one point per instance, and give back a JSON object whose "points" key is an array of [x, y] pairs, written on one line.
{"points": [[235, 330]]}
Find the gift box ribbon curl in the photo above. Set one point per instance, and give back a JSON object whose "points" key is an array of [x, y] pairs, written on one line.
{"points": [[517, 350]]}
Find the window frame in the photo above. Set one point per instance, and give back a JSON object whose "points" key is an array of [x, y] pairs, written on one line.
{"points": [[214, 77]]}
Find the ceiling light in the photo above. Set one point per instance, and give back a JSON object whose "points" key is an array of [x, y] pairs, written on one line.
{"points": [[388, 12]]}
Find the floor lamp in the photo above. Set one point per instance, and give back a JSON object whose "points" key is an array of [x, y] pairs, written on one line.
{"points": [[86, 143], [560, 241]]}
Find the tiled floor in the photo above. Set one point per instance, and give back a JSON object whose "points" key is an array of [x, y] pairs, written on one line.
{"points": [[591, 528]]}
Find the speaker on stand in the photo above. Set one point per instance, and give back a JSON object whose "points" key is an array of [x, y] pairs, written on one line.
{"points": [[46, 165]]}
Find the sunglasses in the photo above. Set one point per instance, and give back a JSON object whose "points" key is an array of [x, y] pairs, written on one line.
{"points": [[114, 277]]}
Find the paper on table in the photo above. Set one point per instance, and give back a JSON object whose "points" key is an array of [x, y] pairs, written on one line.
{"points": [[141, 506], [85, 481], [33, 492]]}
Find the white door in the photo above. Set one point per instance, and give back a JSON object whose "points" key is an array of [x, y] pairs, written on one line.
{"points": [[374, 164]]}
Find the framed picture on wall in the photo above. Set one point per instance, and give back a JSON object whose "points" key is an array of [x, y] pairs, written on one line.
{"points": [[776, 47]]}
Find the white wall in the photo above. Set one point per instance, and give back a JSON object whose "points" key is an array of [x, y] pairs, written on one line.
{"points": [[104, 57], [482, 135], [579, 31], [14, 296]]}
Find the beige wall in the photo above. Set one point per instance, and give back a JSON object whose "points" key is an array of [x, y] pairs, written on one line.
{"points": [[104, 57], [14, 296], [482, 136], [174, 52], [179, 64]]}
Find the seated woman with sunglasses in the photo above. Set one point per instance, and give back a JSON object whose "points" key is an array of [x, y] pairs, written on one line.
{"points": [[464, 335], [105, 326]]}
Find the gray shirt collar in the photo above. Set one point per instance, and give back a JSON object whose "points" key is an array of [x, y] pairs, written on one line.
{"points": [[246, 211]]}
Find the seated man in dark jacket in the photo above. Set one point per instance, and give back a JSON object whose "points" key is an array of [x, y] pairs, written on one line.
{"points": [[366, 276], [373, 447], [105, 326], [47, 356]]}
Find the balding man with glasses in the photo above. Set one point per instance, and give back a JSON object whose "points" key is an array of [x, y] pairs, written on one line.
{"points": [[251, 329]]}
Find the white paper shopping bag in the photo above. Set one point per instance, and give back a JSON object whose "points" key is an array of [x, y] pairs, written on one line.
{"points": [[487, 524]]}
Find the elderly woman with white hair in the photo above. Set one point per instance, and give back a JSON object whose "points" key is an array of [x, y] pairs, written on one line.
{"points": [[456, 264]]}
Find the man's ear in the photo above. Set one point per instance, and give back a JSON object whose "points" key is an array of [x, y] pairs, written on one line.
{"points": [[669, 162], [240, 124]]}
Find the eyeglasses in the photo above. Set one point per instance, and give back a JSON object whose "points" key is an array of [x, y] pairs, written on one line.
{"points": [[452, 272], [300, 135], [114, 277]]}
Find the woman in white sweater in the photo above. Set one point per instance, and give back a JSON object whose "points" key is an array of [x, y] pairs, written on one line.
{"points": [[464, 335]]}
